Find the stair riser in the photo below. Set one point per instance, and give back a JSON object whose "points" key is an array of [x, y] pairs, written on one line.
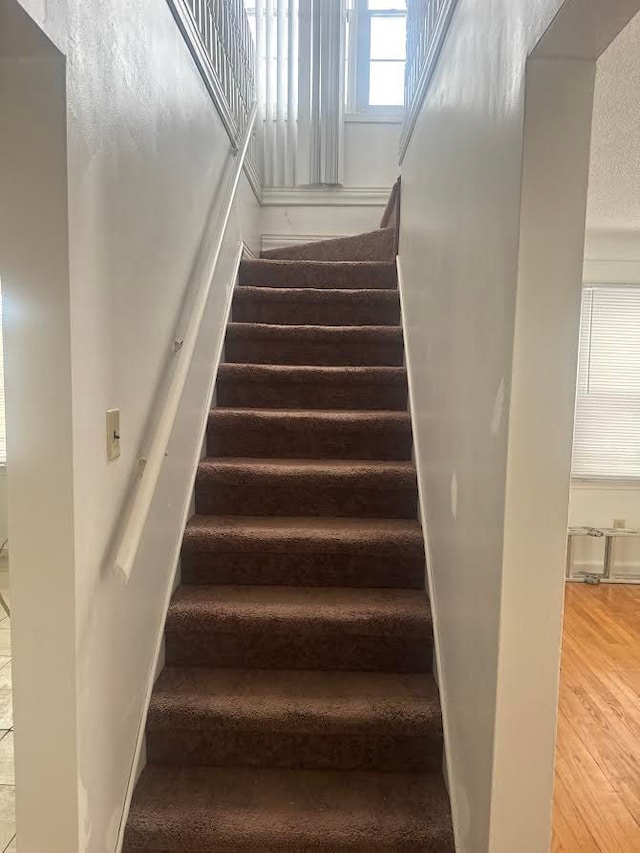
{"points": [[305, 500], [379, 245], [332, 845], [408, 847], [288, 395], [304, 441], [308, 569], [245, 349], [256, 310], [295, 750], [349, 277], [272, 649]]}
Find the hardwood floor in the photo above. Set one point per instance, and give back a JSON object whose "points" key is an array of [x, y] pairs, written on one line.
{"points": [[597, 781]]}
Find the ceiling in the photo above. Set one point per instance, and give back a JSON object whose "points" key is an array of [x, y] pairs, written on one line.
{"points": [[614, 181]]}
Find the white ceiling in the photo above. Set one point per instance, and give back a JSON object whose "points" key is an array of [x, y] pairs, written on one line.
{"points": [[614, 182]]}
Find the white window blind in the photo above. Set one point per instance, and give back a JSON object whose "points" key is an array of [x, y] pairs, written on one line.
{"points": [[607, 428]]}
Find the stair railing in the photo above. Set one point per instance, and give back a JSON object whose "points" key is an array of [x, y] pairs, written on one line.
{"points": [[218, 35], [427, 25]]}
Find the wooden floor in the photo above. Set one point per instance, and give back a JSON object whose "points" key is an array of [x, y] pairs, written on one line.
{"points": [[597, 785]]}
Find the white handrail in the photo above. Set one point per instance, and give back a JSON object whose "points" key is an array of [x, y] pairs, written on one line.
{"points": [[152, 461]]}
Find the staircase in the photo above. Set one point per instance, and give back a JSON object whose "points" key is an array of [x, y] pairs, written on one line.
{"points": [[297, 710]]}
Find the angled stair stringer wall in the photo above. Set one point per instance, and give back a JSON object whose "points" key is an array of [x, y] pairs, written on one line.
{"points": [[298, 708], [422, 509]]}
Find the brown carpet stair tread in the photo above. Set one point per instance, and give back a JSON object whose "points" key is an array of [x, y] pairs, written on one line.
{"points": [[265, 343], [335, 417], [319, 274], [363, 536], [208, 810], [311, 487], [338, 296], [297, 373], [378, 245], [314, 332], [303, 551], [301, 433], [366, 612], [301, 701], [299, 306], [312, 387], [373, 474]]}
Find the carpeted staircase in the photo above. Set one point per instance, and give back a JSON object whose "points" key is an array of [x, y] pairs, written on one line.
{"points": [[297, 710]]}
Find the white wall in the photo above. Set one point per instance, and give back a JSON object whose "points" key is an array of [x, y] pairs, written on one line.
{"points": [[37, 341], [146, 152], [371, 153], [612, 255], [459, 247], [370, 169], [298, 215], [540, 437], [3, 505], [599, 505]]}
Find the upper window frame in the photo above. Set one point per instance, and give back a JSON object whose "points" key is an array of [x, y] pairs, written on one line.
{"points": [[359, 18]]}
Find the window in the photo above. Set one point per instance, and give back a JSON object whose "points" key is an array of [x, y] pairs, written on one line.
{"points": [[607, 428], [375, 56]]}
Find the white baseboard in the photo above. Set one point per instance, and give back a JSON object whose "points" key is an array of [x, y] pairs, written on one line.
{"points": [[325, 196], [630, 580], [422, 503]]}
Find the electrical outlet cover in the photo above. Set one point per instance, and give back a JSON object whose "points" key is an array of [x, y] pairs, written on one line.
{"points": [[113, 434]]}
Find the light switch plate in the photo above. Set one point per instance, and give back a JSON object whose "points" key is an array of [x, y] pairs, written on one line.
{"points": [[113, 434]]}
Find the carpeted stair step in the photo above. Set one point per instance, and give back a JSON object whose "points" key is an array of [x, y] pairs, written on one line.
{"points": [[271, 386], [295, 719], [378, 245], [352, 552], [320, 307], [331, 274], [296, 434], [255, 343], [278, 627], [226, 810], [278, 487]]}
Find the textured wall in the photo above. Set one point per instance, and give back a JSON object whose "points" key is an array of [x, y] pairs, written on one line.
{"points": [[614, 179], [146, 152], [460, 237]]}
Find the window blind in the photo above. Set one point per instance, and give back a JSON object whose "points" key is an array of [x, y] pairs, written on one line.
{"points": [[607, 426]]}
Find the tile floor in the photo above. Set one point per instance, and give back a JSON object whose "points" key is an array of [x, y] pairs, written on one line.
{"points": [[7, 809]]}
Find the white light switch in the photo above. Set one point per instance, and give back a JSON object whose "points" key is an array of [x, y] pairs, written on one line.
{"points": [[113, 434]]}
